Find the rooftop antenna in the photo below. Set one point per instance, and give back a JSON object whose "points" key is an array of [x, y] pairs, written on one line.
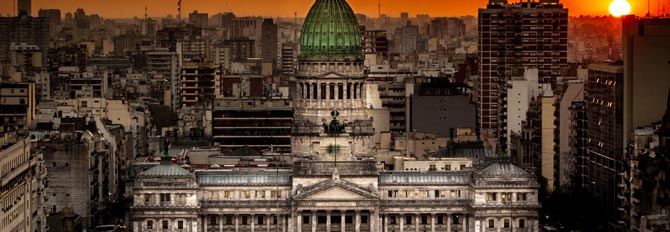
{"points": [[379, 8], [648, 8], [179, 13], [146, 15], [295, 18]]}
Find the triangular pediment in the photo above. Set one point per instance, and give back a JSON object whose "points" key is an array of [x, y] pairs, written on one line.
{"points": [[335, 190], [335, 193], [332, 75]]}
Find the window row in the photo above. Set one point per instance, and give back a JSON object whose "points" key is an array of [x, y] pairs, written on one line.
{"points": [[424, 194], [331, 91]]}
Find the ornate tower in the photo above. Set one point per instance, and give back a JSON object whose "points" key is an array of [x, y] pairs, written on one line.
{"points": [[331, 122]]}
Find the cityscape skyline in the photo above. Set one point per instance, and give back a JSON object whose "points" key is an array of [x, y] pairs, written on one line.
{"points": [[289, 8]]}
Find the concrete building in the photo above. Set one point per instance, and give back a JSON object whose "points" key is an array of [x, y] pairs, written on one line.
{"points": [[565, 159], [23, 29], [53, 18], [22, 184], [198, 19], [24, 7], [258, 123], [199, 84], [17, 107], [269, 43], [513, 36], [646, 65], [406, 39]]}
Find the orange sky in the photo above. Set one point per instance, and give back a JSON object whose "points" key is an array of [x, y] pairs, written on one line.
{"points": [[131, 8]]}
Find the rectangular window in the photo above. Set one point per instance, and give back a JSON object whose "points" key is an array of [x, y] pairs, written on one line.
{"points": [[150, 224], [424, 219], [180, 224], [393, 220], [229, 220], [432, 167], [247, 194], [305, 219], [506, 197], [440, 220], [364, 219], [455, 219], [492, 223], [226, 194], [492, 197], [212, 220], [165, 198], [462, 167], [147, 198], [165, 224], [506, 223], [521, 196], [522, 223], [261, 220], [436, 193], [455, 193], [408, 220], [447, 167]]}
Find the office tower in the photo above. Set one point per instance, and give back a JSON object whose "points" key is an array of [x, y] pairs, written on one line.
{"points": [[23, 29], [288, 59], [24, 7], [269, 43], [514, 36], [604, 96]]}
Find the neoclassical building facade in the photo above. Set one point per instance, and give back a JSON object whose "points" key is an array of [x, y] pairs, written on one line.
{"points": [[316, 196], [333, 185]]}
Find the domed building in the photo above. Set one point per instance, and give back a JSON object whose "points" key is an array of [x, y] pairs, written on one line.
{"points": [[333, 185], [330, 115]]}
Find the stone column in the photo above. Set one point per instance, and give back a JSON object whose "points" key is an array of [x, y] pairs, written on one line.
{"points": [[328, 90], [268, 221], [343, 220], [220, 222], [432, 222], [328, 221], [298, 222], [386, 222], [204, 223], [373, 220], [237, 222], [318, 91], [402, 222], [313, 220], [416, 222], [358, 221], [252, 218], [448, 222]]}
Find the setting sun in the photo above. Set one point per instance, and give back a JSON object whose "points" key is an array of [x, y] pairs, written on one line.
{"points": [[619, 8]]}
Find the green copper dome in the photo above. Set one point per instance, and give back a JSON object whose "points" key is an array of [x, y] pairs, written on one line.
{"points": [[331, 31]]}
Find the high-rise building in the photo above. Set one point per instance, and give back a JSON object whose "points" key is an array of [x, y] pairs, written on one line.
{"points": [[646, 64], [604, 96], [406, 39], [514, 36], [443, 28], [24, 7], [23, 29], [198, 19], [269, 43], [199, 83], [52, 17]]}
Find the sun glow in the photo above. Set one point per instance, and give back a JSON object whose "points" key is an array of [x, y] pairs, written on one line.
{"points": [[619, 8]]}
